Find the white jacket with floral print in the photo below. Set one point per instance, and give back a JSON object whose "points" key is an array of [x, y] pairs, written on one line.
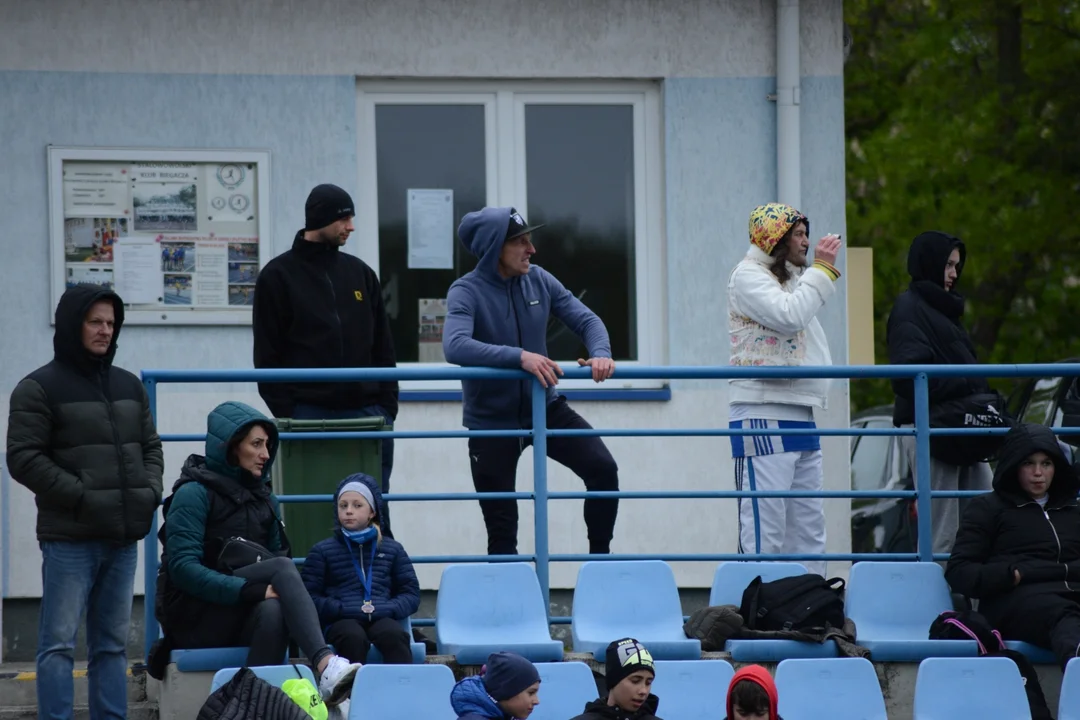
{"points": [[776, 325]]}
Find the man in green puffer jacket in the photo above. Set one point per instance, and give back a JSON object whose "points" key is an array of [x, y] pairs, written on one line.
{"points": [[82, 439]]}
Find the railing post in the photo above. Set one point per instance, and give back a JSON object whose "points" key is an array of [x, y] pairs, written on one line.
{"points": [[922, 468], [540, 489], [150, 558]]}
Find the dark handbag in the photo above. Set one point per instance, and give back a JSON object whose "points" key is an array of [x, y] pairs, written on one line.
{"points": [[982, 410], [238, 552]]}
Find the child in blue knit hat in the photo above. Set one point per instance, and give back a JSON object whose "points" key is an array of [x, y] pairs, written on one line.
{"points": [[363, 584], [507, 688]]}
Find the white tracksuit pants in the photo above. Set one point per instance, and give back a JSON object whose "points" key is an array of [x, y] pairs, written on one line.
{"points": [[783, 525]]}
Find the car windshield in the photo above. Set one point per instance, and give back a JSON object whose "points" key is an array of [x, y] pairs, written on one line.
{"points": [[1040, 405]]}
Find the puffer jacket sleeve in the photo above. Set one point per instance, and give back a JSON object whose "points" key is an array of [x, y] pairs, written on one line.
{"points": [[30, 431], [909, 345], [274, 543], [314, 573], [185, 531], [404, 587], [153, 458], [972, 571]]}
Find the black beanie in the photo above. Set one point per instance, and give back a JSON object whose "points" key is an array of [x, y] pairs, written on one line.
{"points": [[624, 658], [506, 674], [326, 204]]}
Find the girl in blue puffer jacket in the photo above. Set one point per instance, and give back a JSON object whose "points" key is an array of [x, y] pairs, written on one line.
{"points": [[363, 584]]}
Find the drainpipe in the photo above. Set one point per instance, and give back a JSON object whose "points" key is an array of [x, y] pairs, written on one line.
{"points": [[788, 72]]}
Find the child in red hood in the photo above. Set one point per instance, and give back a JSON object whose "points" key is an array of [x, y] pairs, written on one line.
{"points": [[752, 695]]}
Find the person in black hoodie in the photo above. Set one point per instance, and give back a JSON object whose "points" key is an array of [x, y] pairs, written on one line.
{"points": [[924, 329], [318, 307], [82, 439], [629, 671], [1018, 548]]}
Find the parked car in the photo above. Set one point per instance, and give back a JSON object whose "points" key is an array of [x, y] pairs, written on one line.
{"points": [[889, 525], [878, 463]]}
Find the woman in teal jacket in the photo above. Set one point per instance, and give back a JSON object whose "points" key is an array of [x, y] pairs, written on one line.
{"points": [[222, 495]]}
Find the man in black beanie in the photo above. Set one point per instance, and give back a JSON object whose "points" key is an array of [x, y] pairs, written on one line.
{"points": [[628, 673], [318, 307]]}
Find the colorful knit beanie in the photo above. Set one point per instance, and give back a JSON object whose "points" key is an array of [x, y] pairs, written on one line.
{"points": [[769, 223]]}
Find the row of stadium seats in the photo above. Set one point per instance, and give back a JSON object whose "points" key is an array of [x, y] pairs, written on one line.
{"points": [[987, 688], [486, 607]]}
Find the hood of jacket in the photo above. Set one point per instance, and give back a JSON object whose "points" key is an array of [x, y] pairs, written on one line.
{"points": [[600, 708], [928, 255], [483, 234], [761, 677], [1021, 442], [225, 422], [373, 486], [470, 698], [67, 337]]}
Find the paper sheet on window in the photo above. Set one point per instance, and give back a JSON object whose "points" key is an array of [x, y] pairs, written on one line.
{"points": [[432, 317], [431, 229], [137, 272]]}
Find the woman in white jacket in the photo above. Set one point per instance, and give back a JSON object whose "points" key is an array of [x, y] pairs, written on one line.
{"points": [[773, 301]]}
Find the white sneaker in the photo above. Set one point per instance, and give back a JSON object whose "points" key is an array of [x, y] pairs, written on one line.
{"points": [[336, 682]]}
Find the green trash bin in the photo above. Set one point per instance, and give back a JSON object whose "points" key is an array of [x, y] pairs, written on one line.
{"points": [[315, 467]]}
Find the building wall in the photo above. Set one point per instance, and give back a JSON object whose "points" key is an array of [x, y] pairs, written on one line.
{"points": [[282, 77]]}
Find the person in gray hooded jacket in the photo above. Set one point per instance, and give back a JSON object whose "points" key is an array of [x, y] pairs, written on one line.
{"points": [[497, 316]]}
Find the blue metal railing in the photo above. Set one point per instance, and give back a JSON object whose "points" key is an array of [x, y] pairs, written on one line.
{"points": [[540, 433]]}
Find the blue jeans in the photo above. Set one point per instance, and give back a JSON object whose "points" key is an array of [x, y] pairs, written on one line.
{"points": [[303, 411], [98, 578]]}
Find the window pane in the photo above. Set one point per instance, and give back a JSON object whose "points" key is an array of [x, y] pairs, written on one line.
{"points": [[580, 181], [423, 147], [1041, 404], [869, 463]]}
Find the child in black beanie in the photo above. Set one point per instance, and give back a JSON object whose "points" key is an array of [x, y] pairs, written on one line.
{"points": [[629, 676]]}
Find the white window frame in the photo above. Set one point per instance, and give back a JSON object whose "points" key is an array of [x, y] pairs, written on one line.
{"points": [[504, 126]]}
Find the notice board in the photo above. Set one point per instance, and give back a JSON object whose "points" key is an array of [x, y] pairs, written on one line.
{"points": [[180, 235]]}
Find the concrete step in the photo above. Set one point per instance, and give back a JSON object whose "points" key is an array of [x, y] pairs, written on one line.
{"points": [[135, 711], [18, 687]]}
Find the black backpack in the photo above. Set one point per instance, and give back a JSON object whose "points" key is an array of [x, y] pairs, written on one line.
{"points": [[801, 602], [953, 625]]}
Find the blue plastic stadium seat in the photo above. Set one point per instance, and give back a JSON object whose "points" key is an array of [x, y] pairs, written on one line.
{"points": [[1069, 702], [987, 688], [617, 598], [729, 582], [893, 605], [565, 687], [209, 659], [1034, 653], [402, 692], [829, 689], [273, 674], [418, 650], [488, 607], [692, 689]]}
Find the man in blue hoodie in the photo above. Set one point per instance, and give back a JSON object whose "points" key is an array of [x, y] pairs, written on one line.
{"points": [[497, 316]]}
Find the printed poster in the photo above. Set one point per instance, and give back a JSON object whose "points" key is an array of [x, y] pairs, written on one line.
{"points": [[431, 229], [93, 189], [432, 317]]}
